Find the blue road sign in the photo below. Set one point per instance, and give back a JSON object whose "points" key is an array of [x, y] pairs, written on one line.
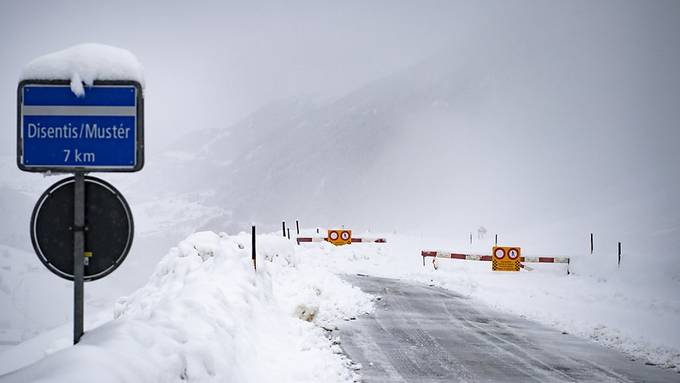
{"points": [[100, 131]]}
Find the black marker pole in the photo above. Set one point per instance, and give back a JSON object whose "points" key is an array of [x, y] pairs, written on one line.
{"points": [[254, 258]]}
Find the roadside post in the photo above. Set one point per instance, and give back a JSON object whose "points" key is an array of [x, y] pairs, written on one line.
{"points": [[254, 257], [81, 227]]}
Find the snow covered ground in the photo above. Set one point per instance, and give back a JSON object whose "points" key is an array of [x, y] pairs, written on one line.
{"points": [[633, 309], [206, 315]]}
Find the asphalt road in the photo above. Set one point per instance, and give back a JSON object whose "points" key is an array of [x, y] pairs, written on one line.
{"points": [[420, 333]]}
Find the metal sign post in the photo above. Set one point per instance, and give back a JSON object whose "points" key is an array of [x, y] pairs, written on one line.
{"points": [[78, 256]]}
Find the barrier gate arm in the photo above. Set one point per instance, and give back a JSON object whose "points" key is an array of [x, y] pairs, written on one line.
{"points": [[354, 240], [475, 257]]}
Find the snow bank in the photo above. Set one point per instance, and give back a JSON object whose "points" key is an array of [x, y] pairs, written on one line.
{"points": [[23, 310], [206, 315], [638, 319], [85, 63], [308, 290]]}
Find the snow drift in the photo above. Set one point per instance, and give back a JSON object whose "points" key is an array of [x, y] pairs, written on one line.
{"points": [[206, 315]]}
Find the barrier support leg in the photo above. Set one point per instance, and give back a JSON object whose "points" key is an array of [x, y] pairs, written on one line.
{"points": [[568, 263]]}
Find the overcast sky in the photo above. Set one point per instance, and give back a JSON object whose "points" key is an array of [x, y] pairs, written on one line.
{"points": [[217, 61]]}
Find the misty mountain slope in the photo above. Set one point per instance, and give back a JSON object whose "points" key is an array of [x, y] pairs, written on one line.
{"points": [[279, 152], [510, 137]]}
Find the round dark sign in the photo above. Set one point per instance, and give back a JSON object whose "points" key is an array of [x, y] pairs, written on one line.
{"points": [[108, 228]]}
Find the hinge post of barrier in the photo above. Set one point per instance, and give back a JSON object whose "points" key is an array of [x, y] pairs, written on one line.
{"points": [[568, 264]]}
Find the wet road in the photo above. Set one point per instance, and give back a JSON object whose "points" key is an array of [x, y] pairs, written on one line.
{"points": [[427, 334]]}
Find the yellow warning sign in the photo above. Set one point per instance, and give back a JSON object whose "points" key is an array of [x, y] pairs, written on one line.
{"points": [[505, 258], [340, 237]]}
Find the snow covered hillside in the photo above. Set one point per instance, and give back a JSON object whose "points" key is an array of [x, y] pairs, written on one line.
{"points": [[450, 144]]}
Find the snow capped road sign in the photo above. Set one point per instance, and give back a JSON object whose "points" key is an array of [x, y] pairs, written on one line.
{"points": [[340, 237], [101, 130], [505, 258]]}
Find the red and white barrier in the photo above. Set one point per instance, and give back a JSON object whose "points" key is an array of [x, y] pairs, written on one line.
{"points": [[445, 254], [366, 240], [354, 240], [310, 239], [474, 257], [544, 259]]}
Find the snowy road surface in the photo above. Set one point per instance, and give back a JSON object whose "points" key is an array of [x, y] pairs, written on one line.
{"points": [[420, 333]]}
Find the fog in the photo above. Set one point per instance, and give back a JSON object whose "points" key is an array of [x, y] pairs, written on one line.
{"points": [[208, 64], [535, 119]]}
